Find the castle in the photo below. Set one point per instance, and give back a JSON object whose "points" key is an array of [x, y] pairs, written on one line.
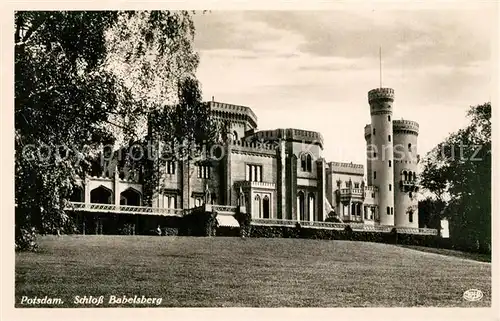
{"points": [[280, 175]]}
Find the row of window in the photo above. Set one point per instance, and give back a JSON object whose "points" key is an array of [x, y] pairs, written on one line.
{"points": [[203, 170], [262, 206], [339, 183], [253, 173]]}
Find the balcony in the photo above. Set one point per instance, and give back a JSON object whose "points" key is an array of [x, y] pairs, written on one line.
{"points": [[252, 184], [346, 193], [409, 186]]}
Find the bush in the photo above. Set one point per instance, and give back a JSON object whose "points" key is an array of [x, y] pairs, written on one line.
{"points": [[26, 239], [170, 231]]}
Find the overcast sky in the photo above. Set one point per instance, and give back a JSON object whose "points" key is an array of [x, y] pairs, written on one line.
{"points": [[312, 69]]}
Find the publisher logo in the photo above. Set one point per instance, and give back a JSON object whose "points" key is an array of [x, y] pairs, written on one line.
{"points": [[473, 295]]}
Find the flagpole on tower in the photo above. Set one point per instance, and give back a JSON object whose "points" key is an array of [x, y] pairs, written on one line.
{"points": [[380, 61]]}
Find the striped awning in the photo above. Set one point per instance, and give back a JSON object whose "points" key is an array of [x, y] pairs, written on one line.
{"points": [[227, 220]]}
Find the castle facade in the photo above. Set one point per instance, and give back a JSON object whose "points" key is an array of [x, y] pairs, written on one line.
{"points": [[280, 174]]}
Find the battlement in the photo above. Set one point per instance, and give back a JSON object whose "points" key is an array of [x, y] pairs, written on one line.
{"points": [[381, 93], [292, 134], [403, 126], [348, 168], [234, 109], [254, 148]]}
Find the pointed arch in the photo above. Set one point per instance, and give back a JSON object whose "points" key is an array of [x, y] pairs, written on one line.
{"points": [[301, 206], [101, 195], [130, 196], [266, 211], [256, 206]]}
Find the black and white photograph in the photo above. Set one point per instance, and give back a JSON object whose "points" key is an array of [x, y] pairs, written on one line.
{"points": [[291, 158]]}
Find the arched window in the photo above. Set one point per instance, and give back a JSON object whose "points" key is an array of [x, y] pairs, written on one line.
{"points": [[300, 206], [409, 147], [303, 162], [414, 176], [311, 201], [265, 207], [410, 216], [410, 175], [405, 174], [309, 163], [256, 206]]}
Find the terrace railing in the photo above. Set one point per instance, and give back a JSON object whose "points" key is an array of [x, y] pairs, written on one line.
{"points": [[125, 209]]}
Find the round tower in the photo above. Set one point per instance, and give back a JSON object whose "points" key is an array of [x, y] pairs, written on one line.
{"points": [[381, 100], [405, 173], [368, 139]]}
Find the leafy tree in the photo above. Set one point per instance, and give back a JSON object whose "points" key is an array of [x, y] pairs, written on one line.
{"points": [[458, 172], [84, 80]]}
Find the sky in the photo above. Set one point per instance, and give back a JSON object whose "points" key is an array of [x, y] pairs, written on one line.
{"points": [[313, 69]]}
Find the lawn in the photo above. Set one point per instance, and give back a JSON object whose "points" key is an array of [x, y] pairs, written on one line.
{"points": [[250, 272]]}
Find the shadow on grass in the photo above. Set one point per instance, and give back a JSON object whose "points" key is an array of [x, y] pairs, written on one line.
{"points": [[463, 255]]}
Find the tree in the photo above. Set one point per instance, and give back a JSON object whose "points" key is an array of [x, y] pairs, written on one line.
{"points": [[458, 172], [72, 98]]}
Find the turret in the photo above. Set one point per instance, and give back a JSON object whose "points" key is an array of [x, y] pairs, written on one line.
{"points": [[381, 151]]}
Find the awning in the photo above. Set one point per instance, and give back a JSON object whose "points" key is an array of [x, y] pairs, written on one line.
{"points": [[227, 220]]}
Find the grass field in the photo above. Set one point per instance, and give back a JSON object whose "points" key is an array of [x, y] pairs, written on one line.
{"points": [[250, 272]]}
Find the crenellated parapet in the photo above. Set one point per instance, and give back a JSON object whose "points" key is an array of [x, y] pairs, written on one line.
{"points": [[405, 126], [233, 112], [381, 94], [348, 168], [253, 148], [291, 134]]}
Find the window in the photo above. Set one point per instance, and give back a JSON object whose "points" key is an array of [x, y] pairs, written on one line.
{"points": [[170, 201], [356, 185], [389, 137], [256, 205], [390, 187], [411, 195], [414, 176], [388, 210], [390, 163], [373, 131], [375, 175], [392, 210], [389, 118], [374, 154], [254, 173], [410, 217], [306, 163], [235, 135], [405, 174], [346, 184], [203, 171], [409, 147], [373, 195], [265, 207], [170, 167]]}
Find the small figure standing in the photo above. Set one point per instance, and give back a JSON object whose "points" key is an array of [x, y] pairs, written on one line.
{"points": [[158, 230]]}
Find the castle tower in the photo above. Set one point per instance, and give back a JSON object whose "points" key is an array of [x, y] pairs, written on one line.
{"points": [[405, 173], [382, 175], [369, 170]]}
